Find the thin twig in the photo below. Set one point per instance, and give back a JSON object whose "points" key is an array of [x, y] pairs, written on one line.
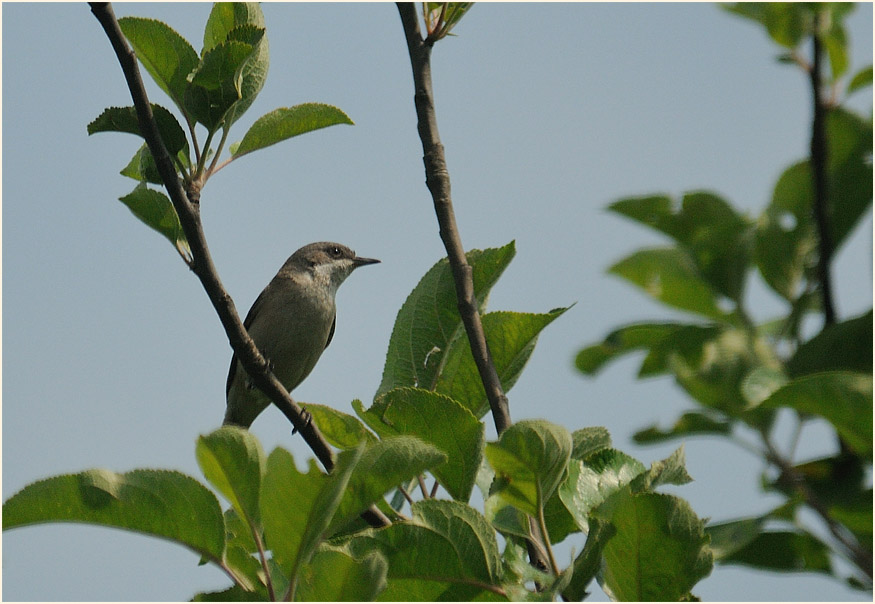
{"points": [[545, 539], [262, 556], [187, 208], [423, 489], [406, 495]]}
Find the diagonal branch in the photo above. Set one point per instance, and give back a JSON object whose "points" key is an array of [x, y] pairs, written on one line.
{"points": [[437, 178], [186, 204]]}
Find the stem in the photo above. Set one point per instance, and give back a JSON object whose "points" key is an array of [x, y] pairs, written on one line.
{"points": [[406, 495], [819, 153], [218, 151], [197, 150], [422, 487], [188, 209], [203, 160], [262, 555], [545, 539]]}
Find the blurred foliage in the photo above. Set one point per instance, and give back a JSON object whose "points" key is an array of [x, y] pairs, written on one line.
{"points": [[740, 370]]}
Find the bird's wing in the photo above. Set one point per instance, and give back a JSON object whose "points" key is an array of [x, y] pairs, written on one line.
{"points": [[331, 333], [250, 316]]}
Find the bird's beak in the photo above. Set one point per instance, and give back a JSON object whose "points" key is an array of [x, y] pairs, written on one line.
{"points": [[357, 262]]}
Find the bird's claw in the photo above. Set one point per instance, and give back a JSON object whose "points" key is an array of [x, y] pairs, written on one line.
{"points": [[307, 417]]}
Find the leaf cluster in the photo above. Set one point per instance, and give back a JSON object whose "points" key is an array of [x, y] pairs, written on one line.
{"points": [[212, 90], [740, 372], [293, 534]]}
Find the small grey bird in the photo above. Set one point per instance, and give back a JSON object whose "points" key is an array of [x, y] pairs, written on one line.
{"points": [[291, 322]]}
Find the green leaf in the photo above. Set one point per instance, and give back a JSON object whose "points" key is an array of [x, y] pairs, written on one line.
{"points": [[167, 56], [786, 243], [512, 337], [340, 429], [659, 552], [216, 85], [785, 238], [457, 542], [452, 14], [530, 459], [671, 470], [350, 580], [222, 65], [157, 211], [383, 466], [835, 42], [842, 398], [856, 515], [587, 565], [559, 521], [467, 529], [670, 276], [786, 23], [124, 119], [239, 549], [232, 460], [594, 480], [588, 441], [226, 16], [707, 227], [622, 341], [729, 537], [849, 171], [783, 551], [760, 383], [693, 422], [142, 167], [285, 523], [238, 532], [160, 503], [440, 421], [230, 75], [861, 79], [324, 506], [286, 122], [234, 593], [710, 363], [429, 322], [230, 23], [833, 481]]}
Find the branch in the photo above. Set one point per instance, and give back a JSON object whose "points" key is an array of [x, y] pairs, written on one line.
{"points": [[187, 208], [818, 171], [437, 178], [792, 477]]}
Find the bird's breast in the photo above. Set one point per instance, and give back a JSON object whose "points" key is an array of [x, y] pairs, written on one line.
{"points": [[291, 330]]}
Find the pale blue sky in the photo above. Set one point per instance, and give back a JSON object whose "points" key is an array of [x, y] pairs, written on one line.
{"points": [[114, 357]]}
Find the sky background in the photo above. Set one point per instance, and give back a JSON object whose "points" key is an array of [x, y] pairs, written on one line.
{"points": [[114, 356]]}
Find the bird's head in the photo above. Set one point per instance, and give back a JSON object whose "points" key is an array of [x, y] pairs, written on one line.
{"points": [[327, 263]]}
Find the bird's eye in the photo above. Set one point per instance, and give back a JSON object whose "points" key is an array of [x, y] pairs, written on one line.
{"points": [[335, 251]]}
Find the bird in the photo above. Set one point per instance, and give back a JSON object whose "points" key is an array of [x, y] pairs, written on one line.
{"points": [[291, 322]]}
